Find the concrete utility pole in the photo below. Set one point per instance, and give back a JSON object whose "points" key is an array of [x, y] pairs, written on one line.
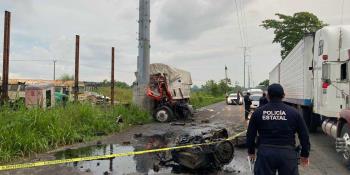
{"points": [[112, 78], [6, 57], [76, 75], [143, 59]]}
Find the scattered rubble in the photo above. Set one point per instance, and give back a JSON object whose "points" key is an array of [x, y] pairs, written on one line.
{"points": [[205, 121], [119, 119], [126, 143], [138, 135]]}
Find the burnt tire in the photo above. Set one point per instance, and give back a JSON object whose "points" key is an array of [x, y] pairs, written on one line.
{"points": [[345, 134], [224, 152], [163, 114]]}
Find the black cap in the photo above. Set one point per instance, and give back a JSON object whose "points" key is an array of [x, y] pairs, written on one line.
{"points": [[275, 91]]}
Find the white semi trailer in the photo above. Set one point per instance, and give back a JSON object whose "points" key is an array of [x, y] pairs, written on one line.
{"points": [[316, 79]]}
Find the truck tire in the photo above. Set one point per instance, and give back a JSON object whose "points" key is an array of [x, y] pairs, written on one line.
{"points": [[163, 114], [345, 133]]}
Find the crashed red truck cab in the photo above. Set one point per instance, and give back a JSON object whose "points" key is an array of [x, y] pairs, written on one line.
{"points": [[169, 90]]}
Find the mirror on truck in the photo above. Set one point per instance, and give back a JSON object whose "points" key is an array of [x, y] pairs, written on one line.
{"points": [[326, 72]]}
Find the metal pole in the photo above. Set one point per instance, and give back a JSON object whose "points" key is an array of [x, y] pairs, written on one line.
{"points": [[76, 76], [226, 80], [6, 55], [54, 69], [244, 62], [112, 78]]}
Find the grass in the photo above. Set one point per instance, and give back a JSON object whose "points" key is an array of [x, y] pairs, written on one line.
{"points": [[123, 95], [25, 132], [201, 99]]}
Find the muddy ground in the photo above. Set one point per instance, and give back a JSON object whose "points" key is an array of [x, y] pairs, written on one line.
{"points": [[324, 159]]}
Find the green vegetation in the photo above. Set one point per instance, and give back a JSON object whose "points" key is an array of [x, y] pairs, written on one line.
{"points": [[289, 30], [25, 132], [123, 95], [201, 99], [264, 83], [66, 77], [211, 92]]}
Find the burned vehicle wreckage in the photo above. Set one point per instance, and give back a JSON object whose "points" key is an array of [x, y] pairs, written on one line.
{"points": [[211, 151]]}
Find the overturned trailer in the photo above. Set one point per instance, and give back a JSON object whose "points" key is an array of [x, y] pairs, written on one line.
{"points": [[169, 89]]}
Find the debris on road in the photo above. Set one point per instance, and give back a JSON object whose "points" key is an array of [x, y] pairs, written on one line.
{"points": [[138, 135], [178, 124], [205, 121], [126, 143], [211, 156], [119, 119]]}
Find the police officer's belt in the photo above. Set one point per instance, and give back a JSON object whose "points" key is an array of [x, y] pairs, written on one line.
{"points": [[278, 146]]}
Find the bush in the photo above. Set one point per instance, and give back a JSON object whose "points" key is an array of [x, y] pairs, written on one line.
{"points": [[201, 99]]}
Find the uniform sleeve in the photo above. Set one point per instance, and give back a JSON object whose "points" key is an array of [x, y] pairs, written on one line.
{"points": [[303, 135], [251, 133]]}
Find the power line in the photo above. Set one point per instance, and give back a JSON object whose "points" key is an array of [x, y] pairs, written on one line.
{"points": [[342, 13], [239, 23], [245, 25]]}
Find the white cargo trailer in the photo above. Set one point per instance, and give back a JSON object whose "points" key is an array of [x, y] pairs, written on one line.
{"points": [[316, 79]]}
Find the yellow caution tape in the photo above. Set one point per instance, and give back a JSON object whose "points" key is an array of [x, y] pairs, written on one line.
{"points": [[55, 162]]}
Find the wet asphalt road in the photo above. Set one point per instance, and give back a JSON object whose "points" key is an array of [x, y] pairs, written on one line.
{"points": [[324, 159]]}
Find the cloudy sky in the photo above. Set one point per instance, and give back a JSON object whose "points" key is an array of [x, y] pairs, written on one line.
{"points": [[196, 35]]}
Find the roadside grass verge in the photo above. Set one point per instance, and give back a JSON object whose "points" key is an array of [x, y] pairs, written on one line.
{"points": [[123, 95], [201, 99], [25, 132]]}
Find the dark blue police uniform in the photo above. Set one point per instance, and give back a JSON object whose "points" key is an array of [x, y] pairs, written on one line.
{"points": [[276, 123], [263, 101]]}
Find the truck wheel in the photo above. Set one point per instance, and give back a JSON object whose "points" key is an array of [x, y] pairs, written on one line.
{"points": [[345, 134], [163, 114]]}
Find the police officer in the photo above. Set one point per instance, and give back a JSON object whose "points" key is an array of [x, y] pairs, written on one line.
{"points": [[263, 100], [247, 103], [277, 124]]}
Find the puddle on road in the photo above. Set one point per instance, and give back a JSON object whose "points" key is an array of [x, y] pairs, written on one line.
{"points": [[122, 165], [140, 164]]}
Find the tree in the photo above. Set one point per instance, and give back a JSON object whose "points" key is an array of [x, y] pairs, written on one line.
{"points": [[211, 87], [195, 88], [223, 87], [66, 77], [289, 30], [264, 83]]}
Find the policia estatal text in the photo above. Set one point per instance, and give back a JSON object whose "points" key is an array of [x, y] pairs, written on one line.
{"points": [[276, 123]]}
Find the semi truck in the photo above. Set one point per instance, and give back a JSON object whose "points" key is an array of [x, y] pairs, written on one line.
{"points": [[316, 78]]}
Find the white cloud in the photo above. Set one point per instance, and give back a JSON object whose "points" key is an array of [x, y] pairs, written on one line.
{"points": [[198, 35]]}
